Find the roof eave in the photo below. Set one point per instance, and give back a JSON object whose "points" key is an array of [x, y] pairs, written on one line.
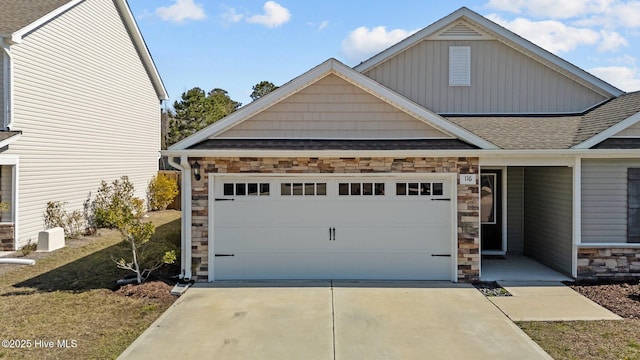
{"points": [[17, 36], [609, 132], [143, 50]]}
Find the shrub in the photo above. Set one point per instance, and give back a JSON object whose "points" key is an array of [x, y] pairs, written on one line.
{"points": [[55, 215], [29, 248], [161, 192], [111, 202]]}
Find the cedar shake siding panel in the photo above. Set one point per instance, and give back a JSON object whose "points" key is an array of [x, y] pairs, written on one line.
{"points": [[548, 216], [604, 199], [333, 108], [87, 109], [503, 80]]}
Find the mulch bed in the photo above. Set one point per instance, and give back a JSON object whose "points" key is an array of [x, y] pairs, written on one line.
{"points": [[155, 289], [621, 298]]}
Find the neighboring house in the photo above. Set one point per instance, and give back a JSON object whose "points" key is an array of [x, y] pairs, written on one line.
{"points": [[80, 99], [462, 140]]}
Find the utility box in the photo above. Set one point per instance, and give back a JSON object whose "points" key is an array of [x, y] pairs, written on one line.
{"points": [[51, 239]]}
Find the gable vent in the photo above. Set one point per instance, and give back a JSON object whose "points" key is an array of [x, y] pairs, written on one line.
{"points": [[461, 30], [459, 66]]}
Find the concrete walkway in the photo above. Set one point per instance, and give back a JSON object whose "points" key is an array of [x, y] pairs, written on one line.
{"points": [[334, 320], [548, 301]]}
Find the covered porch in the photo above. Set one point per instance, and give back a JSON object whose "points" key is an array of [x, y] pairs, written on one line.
{"points": [[527, 220]]}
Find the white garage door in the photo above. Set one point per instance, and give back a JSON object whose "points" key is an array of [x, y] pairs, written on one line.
{"points": [[344, 228]]}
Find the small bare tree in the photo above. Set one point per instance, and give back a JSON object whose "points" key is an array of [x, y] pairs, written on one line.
{"points": [[137, 233]]}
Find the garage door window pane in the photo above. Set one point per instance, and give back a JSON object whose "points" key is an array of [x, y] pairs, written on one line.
{"points": [[264, 189], [401, 189], [285, 189], [379, 188], [355, 188], [413, 189], [438, 189], [252, 189], [309, 189], [367, 189], [321, 189], [228, 189], [297, 189], [241, 189], [343, 189], [425, 189]]}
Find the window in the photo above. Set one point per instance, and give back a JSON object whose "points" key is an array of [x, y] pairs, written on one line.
{"points": [[419, 189], [303, 189], [459, 66], [361, 189], [245, 189], [633, 205]]}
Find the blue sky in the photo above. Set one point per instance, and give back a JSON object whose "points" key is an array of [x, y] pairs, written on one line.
{"points": [[235, 44]]}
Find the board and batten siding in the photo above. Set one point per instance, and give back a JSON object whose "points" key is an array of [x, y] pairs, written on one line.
{"points": [[503, 80], [515, 210], [87, 109], [548, 216], [333, 108], [604, 199]]}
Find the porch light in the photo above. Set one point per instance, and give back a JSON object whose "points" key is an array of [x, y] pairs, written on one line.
{"points": [[196, 170]]}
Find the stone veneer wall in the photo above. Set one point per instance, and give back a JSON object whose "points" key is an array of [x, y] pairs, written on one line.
{"points": [[7, 237], [468, 198], [609, 263]]}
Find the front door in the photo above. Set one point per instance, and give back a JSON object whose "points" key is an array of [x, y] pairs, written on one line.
{"points": [[491, 210]]}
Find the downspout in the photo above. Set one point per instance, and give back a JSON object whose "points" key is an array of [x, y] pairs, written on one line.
{"points": [[7, 72], [185, 229]]}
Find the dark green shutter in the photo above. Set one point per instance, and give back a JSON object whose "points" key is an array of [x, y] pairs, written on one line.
{"points": [[633, 205]]}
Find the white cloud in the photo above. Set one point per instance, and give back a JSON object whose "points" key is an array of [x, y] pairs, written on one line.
{"points": [[274, 15], [363, 42], [611, 41], [180, 11], [230, 15], [323, 25], [625, 78], [553, 9], [551, 35]]}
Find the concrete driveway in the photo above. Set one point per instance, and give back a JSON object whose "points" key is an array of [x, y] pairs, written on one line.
{"points": [[334, 320]]}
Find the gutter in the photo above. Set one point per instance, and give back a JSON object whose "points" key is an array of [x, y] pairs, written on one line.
{"points": [[569, 153], [7, 119], [185, 229]]}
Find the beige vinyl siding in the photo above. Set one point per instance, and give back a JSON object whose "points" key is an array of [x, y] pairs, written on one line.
{"points": [[548, 216], [515, 210], [631, 131], [604, 199], [503, 80], [2, 77], [332, 108], [87, 110]]}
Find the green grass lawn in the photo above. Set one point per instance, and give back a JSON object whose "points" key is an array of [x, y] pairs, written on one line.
{"points": [[68, 295], [586, 340]]}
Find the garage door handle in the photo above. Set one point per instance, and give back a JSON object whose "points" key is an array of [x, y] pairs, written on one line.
{"points": [[224, 199], [441, 199], [219, 255], [441, 255], [332, 234]]}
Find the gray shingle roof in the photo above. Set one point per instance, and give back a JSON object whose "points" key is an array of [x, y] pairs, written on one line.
{"points": [[550, 131], [16, 14]]}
